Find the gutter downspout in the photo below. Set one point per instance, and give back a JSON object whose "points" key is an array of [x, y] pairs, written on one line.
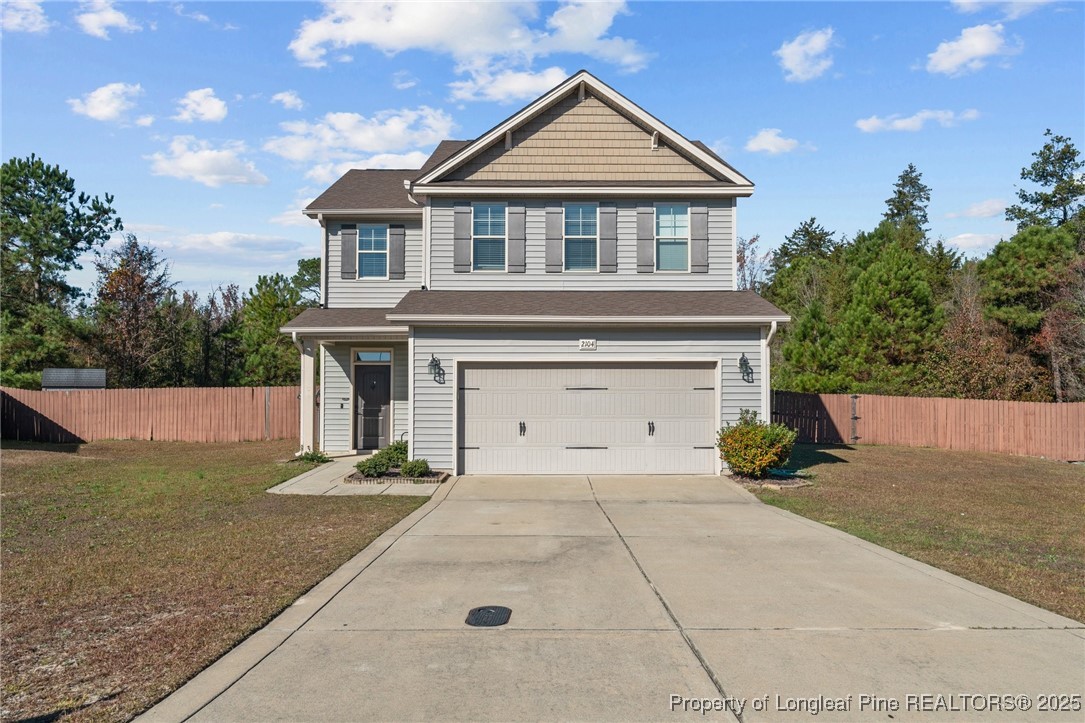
{"points": [[766, 380], [408, 186]]}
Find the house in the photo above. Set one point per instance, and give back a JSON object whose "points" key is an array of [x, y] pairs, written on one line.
{"points": [[556, 296], [54, 379]]}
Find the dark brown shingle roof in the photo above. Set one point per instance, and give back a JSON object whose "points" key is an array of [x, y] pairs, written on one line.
{"points": [[579, 304], [338, 319]]}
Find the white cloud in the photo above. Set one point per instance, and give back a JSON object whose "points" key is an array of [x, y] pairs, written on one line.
{"points": [[23, 16], [98, 16], [487, 41], [807, 56], [288, 99], [193, 15], [507, 86], [1010, 10], [402, 80], [108, 103], [915, 122], [970, 50], [292, 214], [327, 173], [974, 241], [339, 136], [191, 159], [145, 120], [981, 209], [769, 140], [200, 105]]}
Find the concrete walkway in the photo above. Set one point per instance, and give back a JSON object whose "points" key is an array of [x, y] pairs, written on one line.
{"points": [[636, 599], [327, 479]]}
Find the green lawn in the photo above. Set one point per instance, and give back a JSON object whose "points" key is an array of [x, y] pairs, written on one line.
{"points": [[130, 566], [1015, 524]]}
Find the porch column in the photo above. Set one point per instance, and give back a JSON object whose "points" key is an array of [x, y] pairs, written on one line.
{"points": [[308, 401]]}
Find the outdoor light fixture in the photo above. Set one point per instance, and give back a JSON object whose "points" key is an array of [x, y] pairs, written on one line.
{"points": [[435, 369], [744, 366]]}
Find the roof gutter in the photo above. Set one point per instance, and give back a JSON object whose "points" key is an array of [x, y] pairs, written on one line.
{"points": [[512, 320], [590, 191]]}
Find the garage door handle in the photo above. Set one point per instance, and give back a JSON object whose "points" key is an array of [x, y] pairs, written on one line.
{"points": [[651, 429], [523, 429]]}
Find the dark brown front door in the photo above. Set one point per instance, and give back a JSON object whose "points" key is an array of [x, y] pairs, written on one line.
{"points": [[373, 406]]}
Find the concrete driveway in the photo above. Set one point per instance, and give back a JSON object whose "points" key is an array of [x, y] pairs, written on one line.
{"points": [[638, 598]]}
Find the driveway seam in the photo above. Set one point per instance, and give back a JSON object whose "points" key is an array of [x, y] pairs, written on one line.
{"points": [[670, 613], [324, 604]]}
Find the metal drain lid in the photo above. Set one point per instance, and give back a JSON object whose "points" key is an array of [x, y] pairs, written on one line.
{"points": [[488, 616]]}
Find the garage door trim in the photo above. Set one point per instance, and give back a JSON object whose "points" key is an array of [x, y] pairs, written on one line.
{"points": [[458, 363]]}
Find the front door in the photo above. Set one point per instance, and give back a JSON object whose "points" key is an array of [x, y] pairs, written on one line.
{"points": [[372, 406]]}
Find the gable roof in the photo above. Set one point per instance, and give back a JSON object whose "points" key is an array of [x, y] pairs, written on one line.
{"points": [[585, 80], [366, 188]]}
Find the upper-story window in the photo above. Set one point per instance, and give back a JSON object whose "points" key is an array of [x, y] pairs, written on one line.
{"points": [[581, 237], [488, 237], [672, 237], [372, 252]]}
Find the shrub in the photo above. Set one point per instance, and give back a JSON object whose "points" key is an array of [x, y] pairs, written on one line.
{"points": [[750, 448], [313, 456], [375, 466], [414, 468], [396, 453]]}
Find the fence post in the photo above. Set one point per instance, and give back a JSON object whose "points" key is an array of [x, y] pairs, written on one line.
{"points": [[854, 418], [267, 412]]}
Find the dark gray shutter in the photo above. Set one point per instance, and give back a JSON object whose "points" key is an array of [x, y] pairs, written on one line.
{"points": [[698, 238], [646, 238], [608, 238], [555, 236], [517, 238], [348, 238], [461, 261], [397, 249]]}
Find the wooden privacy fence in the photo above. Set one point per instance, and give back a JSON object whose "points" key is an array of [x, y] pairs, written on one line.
{"points": [[198, 414], [1034, 429]]}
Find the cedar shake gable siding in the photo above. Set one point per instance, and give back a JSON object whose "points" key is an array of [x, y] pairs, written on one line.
{"points": [[581, 140]]}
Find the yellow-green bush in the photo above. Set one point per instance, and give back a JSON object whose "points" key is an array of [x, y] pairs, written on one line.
{"points": [[750, 447]]}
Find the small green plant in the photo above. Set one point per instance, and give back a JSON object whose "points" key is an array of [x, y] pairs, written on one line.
{"points": [[415, 468], [751, 447], [396, 453], [375, 466], [313, 455]]}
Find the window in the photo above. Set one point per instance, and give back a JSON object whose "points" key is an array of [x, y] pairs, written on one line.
{"points": [[488, 237], [374, 356], [372, 252], [581, 237], [672, 237]]}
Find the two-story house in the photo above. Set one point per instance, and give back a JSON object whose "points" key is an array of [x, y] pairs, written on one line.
{"points": [[556, 296]]}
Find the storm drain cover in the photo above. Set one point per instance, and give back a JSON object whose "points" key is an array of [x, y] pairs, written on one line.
{"points": [[488, 616]]}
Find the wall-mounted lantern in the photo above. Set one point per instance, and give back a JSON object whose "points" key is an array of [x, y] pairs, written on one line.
{"points": [[745, 368], [435, 369]]}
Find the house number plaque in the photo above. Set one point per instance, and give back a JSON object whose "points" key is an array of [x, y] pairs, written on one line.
{"points": [[587, 345]]}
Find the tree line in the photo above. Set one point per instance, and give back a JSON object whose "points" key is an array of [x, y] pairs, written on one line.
{"points": [[135, 322], [885, 311], [891, 311]]}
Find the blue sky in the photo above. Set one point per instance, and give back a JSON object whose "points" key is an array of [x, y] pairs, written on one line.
{"points": [[212, 124]]}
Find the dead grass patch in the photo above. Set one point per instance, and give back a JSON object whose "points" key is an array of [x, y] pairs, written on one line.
{"points": [[1014, 524], [130, 566]]}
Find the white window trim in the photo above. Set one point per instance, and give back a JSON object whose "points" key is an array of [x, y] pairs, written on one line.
{"points": [[506, 237], [565, 238], [354, 392], [655, 243], [387, 251]]}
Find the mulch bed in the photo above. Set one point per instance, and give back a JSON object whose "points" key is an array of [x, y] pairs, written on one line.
{"points": [[434, 477]]}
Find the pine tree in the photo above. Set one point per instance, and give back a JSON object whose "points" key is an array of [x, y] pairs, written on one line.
{"points": [[809, 240], [1057, 168], [810, 364], [270, 356], [908, 204]]}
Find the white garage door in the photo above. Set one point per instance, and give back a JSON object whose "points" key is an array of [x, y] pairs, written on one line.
{"points": [[588, 419]]}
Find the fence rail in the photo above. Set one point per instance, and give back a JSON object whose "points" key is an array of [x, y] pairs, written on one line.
{"points": [[1034, 429], [200, 414]]}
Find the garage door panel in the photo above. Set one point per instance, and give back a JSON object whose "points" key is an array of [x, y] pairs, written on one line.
{"points": [[588, 418]]}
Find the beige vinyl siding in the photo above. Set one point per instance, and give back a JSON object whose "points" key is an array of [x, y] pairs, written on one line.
{"points": [[337, 398], [720, 276], [581, 141], [373, 293], [434, 403]]}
